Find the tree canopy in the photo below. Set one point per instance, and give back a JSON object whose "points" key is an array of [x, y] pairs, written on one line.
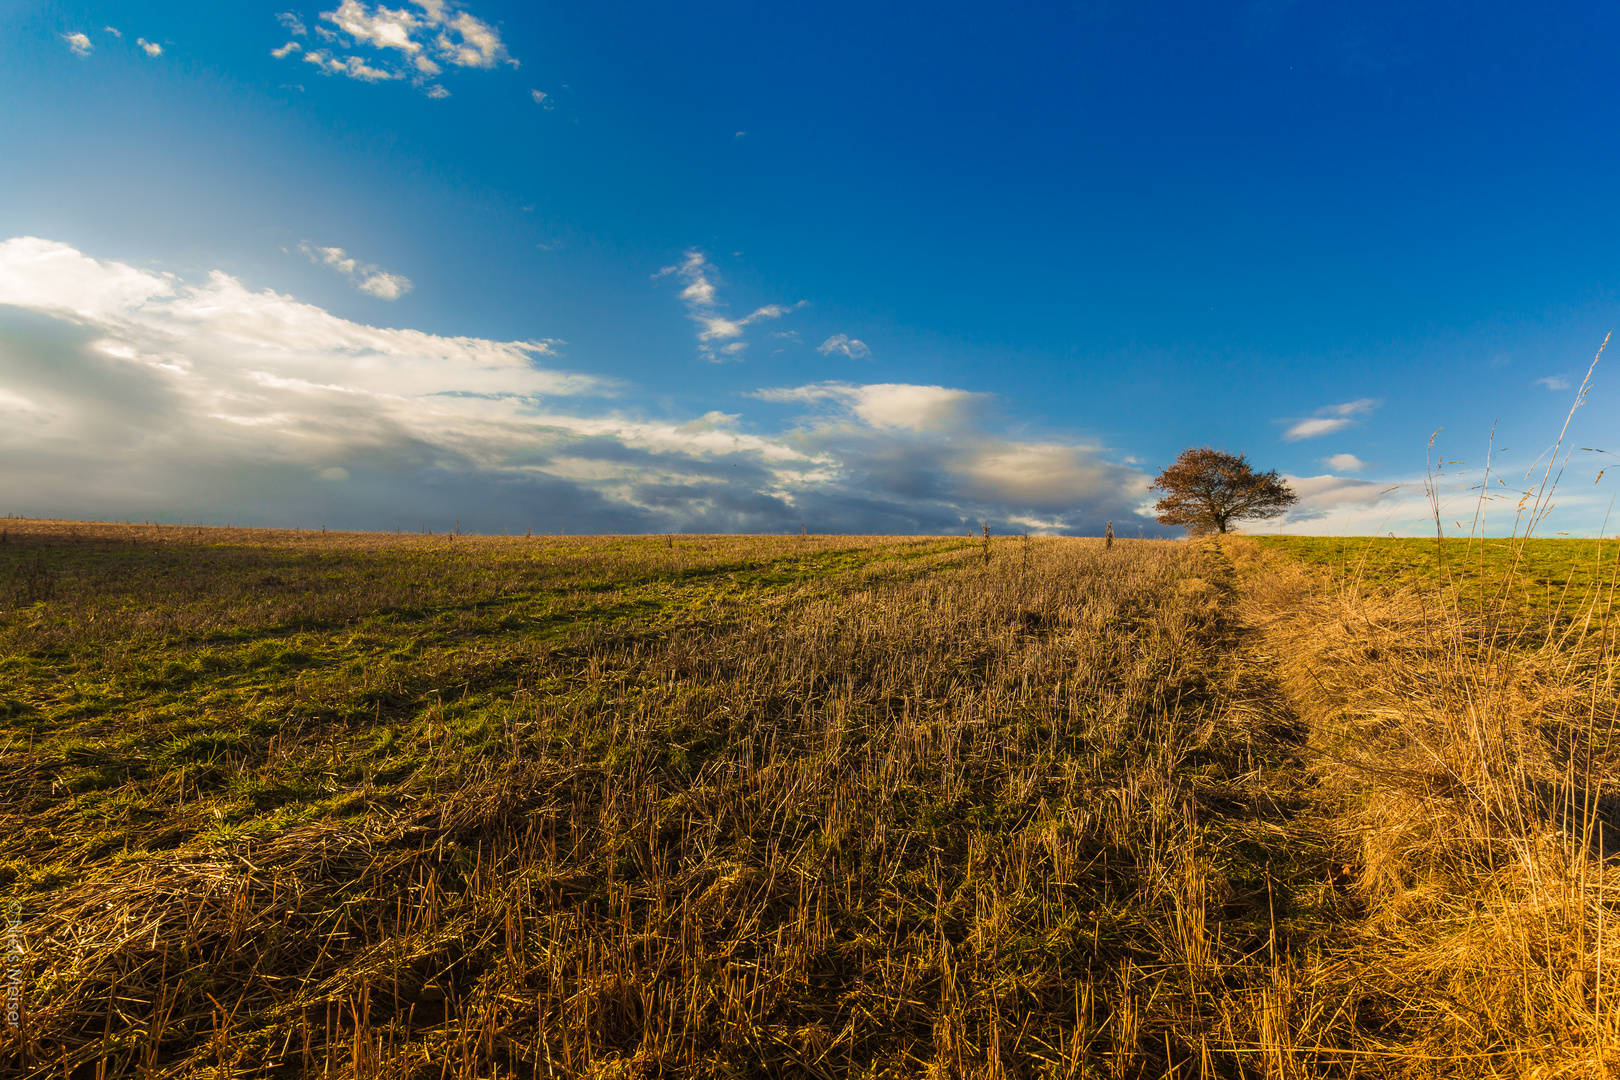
{"points": [[1206, 490]]}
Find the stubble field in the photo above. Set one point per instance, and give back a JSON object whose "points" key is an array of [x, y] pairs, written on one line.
{"points": [[295, 804]]}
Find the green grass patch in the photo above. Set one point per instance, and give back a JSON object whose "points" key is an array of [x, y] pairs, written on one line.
{"points": [[1535, 577]]}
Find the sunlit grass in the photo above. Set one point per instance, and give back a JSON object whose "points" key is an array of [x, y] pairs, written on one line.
{"points": [[360, 806], [1536, 577]]}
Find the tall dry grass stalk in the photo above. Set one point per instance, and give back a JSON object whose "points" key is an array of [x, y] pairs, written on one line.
{"points": [[1471, 790]]}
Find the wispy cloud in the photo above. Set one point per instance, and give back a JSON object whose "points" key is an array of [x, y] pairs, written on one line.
{"points": [[413, 45], [1315, 428], [366, 277], [150, 48], [79, 43], [843, 343], [1359, 407], [114, 31], [1344, 463], [352, 66], [127, 391], [1554, 382], [719, 337], [886, 405], [1330, 419], [290, 47]]}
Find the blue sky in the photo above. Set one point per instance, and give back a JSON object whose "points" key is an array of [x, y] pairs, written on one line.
{"points": [[872, 268]]}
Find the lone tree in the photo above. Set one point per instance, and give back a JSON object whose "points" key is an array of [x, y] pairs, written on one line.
{"points": [[1206, 490]]}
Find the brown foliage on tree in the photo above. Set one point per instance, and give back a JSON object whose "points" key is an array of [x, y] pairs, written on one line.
{"points": [[1206, 490]]}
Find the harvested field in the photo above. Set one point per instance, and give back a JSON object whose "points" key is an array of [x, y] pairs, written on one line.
{"points": [[285, 804]]}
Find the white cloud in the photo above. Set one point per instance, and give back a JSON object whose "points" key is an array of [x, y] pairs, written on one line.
{"points": [[335, 257], [480, 46], [843, 343], [1344, 463], [79, 43], [128, 391], [885, 405], [366, 277], [385, 286], [1049, 476], [150, 48], [290, 47], [302, 377], [542, 99], [1359, 407], [381, 28], [292, 22], [1554, 382], [411, 44], [1315, 428], [1330, 418], [702, 306], [114, 31]]}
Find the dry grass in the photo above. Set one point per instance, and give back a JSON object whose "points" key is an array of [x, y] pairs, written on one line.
{"points": [[651, 806], [286, 804], [1467, 759]]}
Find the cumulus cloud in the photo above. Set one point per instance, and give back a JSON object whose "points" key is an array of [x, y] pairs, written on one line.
{"points": [[290, 47], [79, 43], [150, 48], [366, 277], [385, 286], [208, 372], [542, 99], [843, 343], [929, 449], [702, 300], [114, 31], [1344, 463], [411, 43], [1329, 419]]}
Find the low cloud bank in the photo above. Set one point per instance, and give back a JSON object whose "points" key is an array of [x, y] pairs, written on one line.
{"points": [[127, 392]]}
